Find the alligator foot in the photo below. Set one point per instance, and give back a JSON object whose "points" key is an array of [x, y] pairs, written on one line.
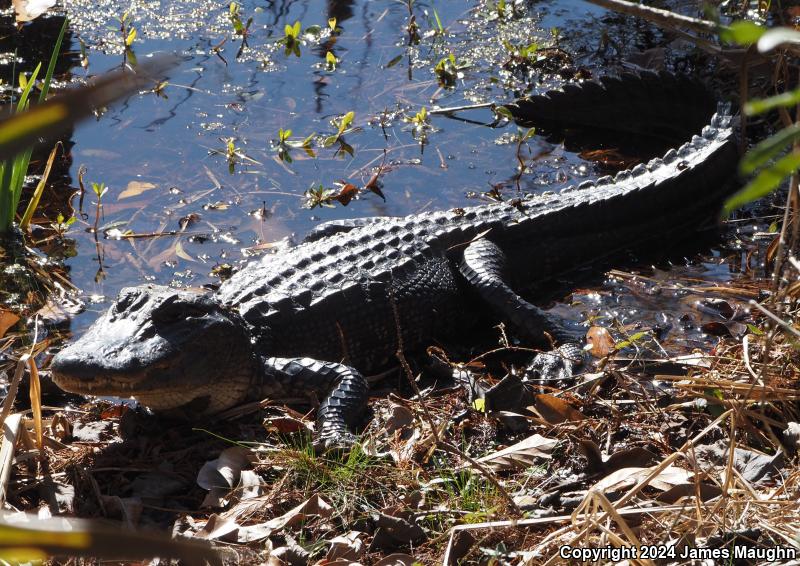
{"points": [[557, 367], [484, 267], [343, 391]]}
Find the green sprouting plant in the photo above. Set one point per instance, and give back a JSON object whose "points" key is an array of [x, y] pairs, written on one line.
{"points": [[100, 189], [523, 137], [128, 34], [446, 71], [13, 171], [61, 225], [291, 39], [235, 16], [127, 30], [421, 125], [319, 196], [331, 61], [521, 51], [335, 30], [342, 125], [421, 118], [284, 144], [233, 154], [555, 35]]}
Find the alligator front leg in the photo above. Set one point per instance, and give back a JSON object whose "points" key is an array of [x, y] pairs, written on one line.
{"points": [[342, 390], [484, 268]]}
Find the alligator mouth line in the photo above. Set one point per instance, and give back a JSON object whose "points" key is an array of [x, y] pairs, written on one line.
{"points": [[118, 384]]}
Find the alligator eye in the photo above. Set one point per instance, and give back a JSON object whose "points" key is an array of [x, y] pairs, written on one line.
{"points": [[176, 312]]}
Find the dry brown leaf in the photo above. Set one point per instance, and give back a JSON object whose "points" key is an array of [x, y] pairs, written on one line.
{"points": [[555, 410], [223, 474], [181, 253], [285, 424], [7, 320], [27, 10], [346, 547], [135, 188], [346, 193], [523, 454], [628, 477], [601, 341]]}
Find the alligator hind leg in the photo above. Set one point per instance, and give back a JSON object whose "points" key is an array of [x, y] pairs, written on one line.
{"points": [[343, 391], [484, 269]]}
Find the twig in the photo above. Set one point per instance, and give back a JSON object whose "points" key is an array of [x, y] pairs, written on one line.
{"points": [[777, 320], [627, 512], [12, 389], [657, 15], [454, 109]]}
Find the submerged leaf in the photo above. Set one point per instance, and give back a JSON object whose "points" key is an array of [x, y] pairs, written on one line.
{"points": [[135, 188]]}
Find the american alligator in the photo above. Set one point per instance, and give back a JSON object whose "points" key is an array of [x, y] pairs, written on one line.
{"points": [[344, 300]]}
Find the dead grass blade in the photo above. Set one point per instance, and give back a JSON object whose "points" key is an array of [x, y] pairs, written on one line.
{"points": [[36, 402], [11, 428]]}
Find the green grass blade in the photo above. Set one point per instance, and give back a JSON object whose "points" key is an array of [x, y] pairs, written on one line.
{"points": [[23, 99], [5, 200], [51, 67], [19, 170], [768, 149], [767, 181], [8, 196]]}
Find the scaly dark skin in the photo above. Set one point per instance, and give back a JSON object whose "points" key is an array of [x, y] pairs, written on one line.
{"points": [[332, 306]]}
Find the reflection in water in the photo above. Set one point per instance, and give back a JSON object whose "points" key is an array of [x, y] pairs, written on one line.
{"points": [[340, 9]]}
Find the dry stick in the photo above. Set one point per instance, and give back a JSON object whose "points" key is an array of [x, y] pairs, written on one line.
{"points": [[541, 521], [453, 109], [12, 390], [428, 417], [673, 21], [777, 320], [657, 15], [646, 481], [11, 427]]}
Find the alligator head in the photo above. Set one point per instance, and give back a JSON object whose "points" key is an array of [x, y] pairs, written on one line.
{"points": [[169, 349]]}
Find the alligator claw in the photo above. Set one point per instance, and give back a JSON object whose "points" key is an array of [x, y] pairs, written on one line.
{"points": [[334, 442], [558, 366]]}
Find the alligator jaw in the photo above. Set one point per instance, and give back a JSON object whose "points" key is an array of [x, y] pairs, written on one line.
{"points": [[79, 375]]}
